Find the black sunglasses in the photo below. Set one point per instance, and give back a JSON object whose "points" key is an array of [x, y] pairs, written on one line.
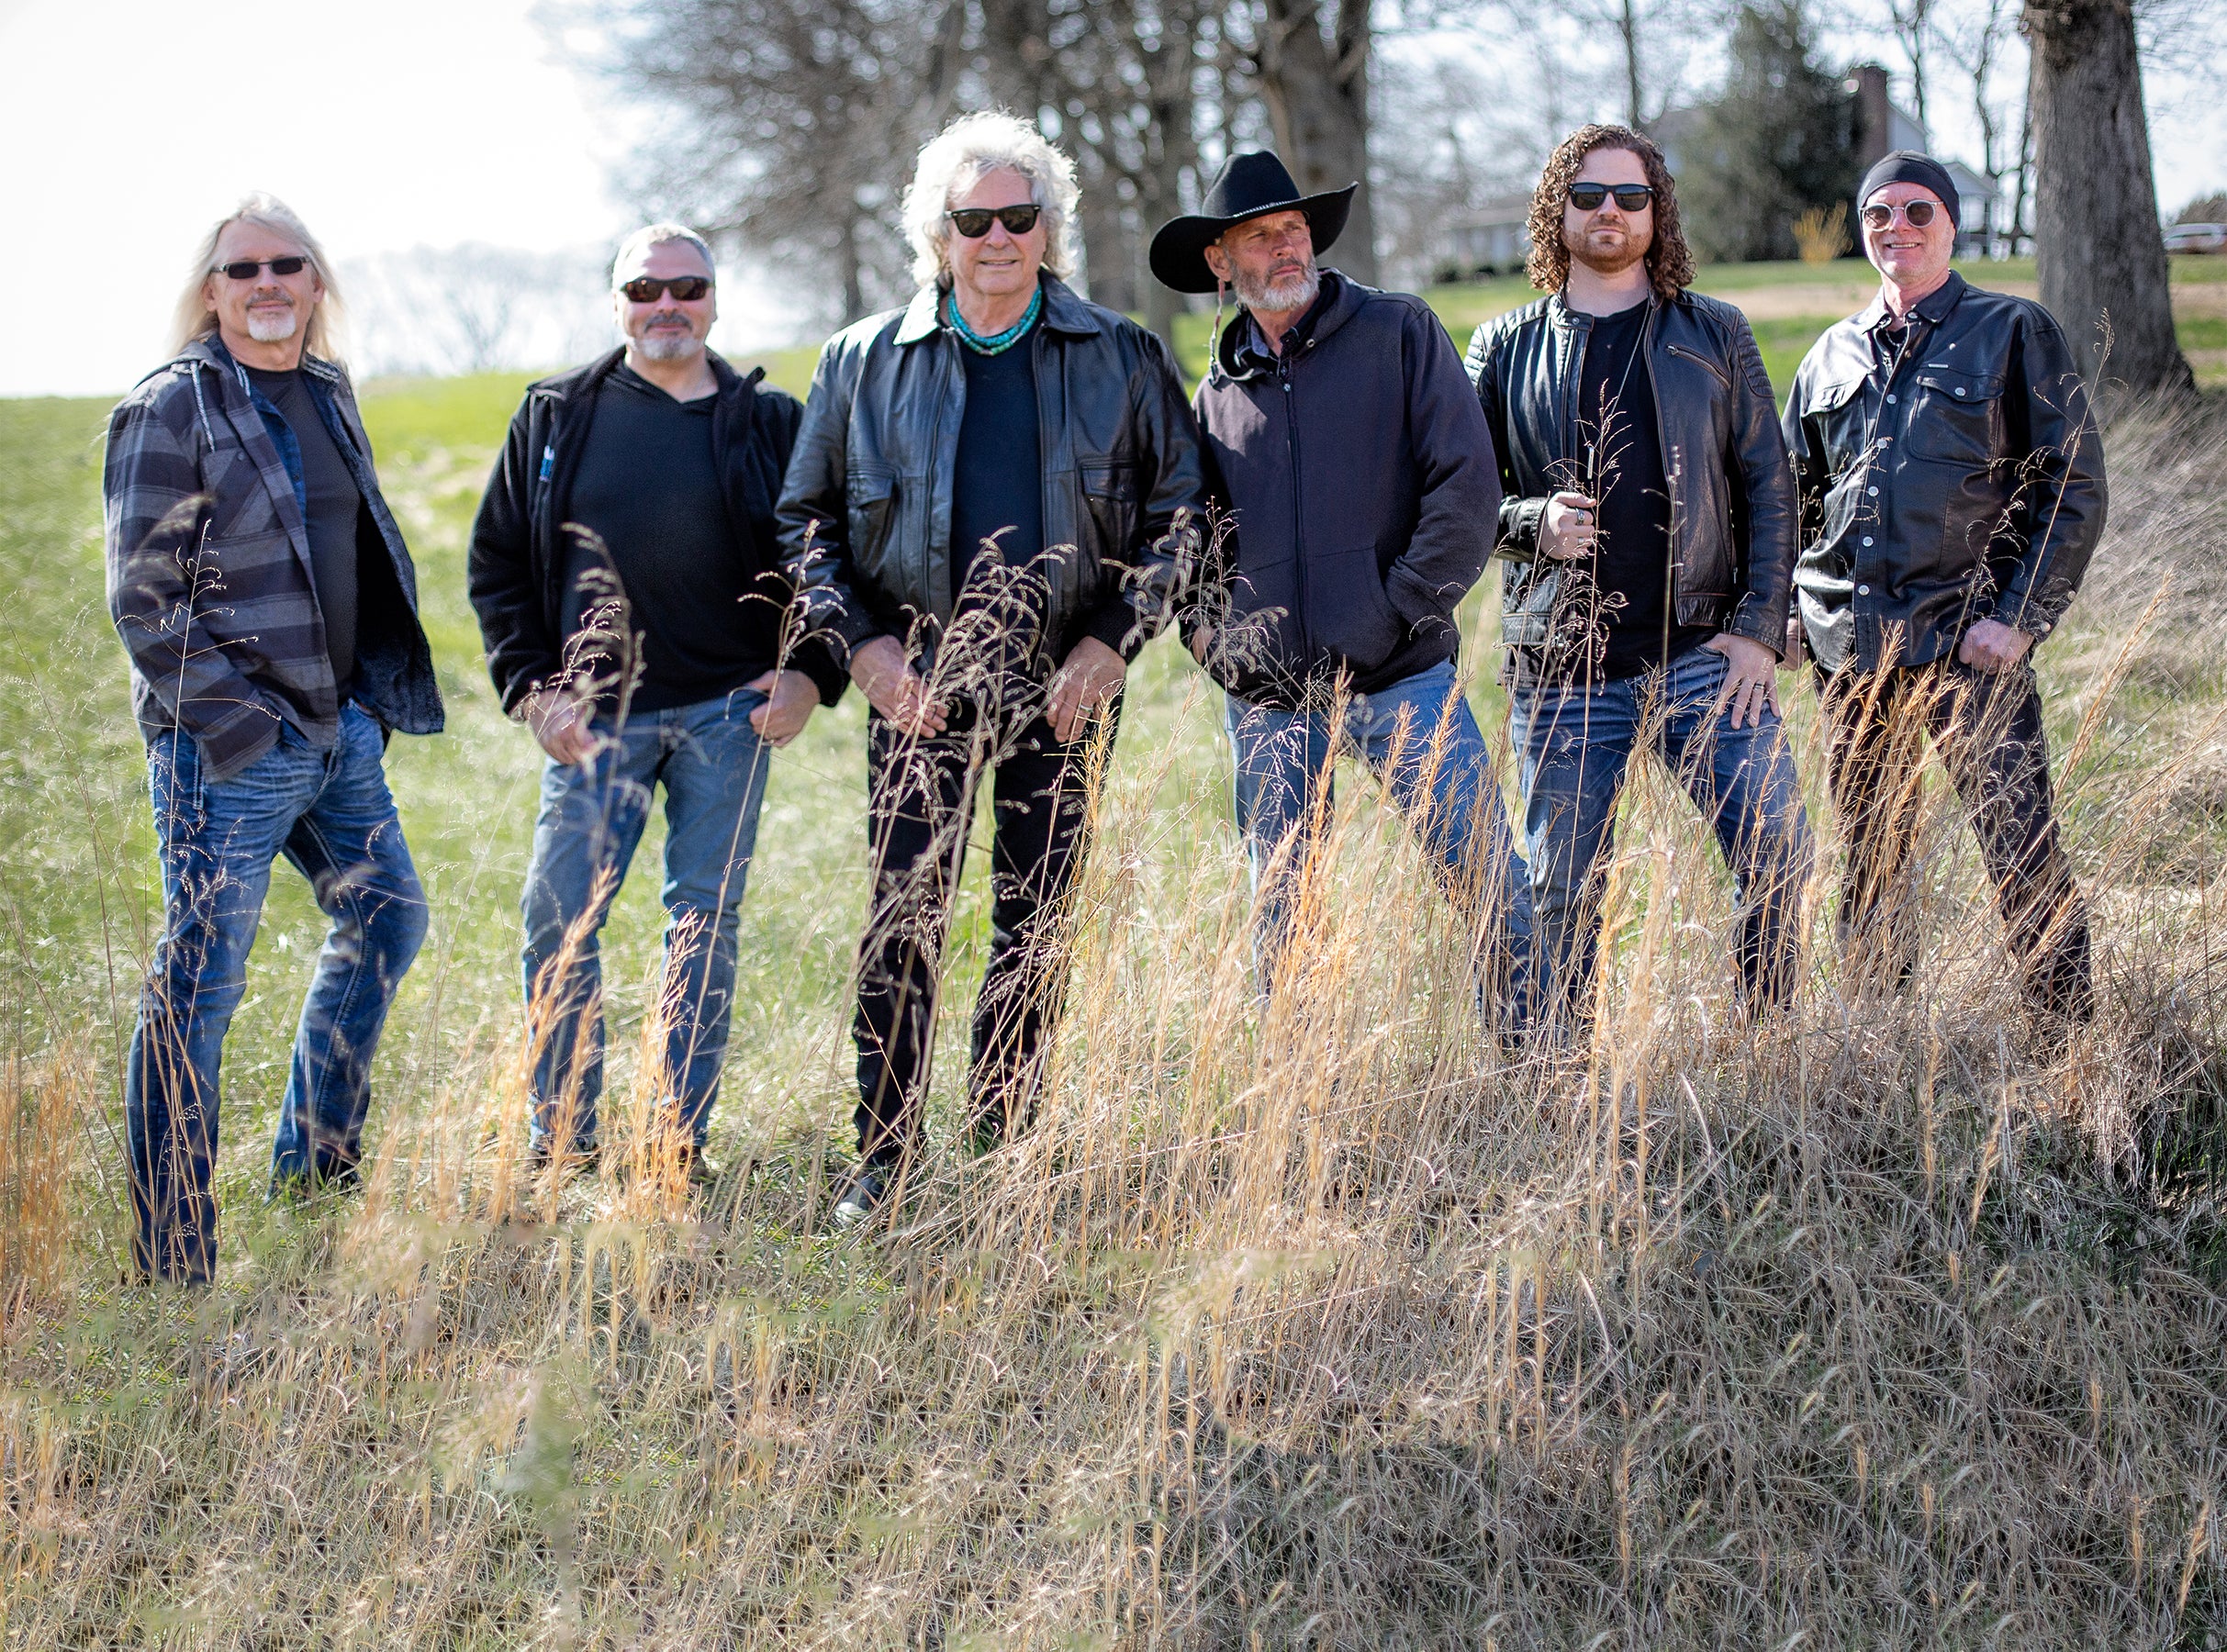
{"points": [[1916, 214], [973, 222], [648, 289], [1631, 197], [245, 269]]}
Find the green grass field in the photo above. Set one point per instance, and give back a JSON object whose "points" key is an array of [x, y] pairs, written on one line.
{"points": [[1322, 1325]]}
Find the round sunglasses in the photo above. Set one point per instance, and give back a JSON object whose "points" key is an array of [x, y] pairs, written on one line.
{"points": [[246, 269], [973, 222], [648, 289], [1631, 197], [1916, 214]]}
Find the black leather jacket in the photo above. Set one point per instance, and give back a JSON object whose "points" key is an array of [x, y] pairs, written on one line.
{"points": [[1965, 483], [1732, 511], [865, 517]]}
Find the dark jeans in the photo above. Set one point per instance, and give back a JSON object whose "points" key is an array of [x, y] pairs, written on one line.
{"points": [[330, 814], [1578, 741], [921, 797], [1988, 731], [712, 766], [1419, 737]]}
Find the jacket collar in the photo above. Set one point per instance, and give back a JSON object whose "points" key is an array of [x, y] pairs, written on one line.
{"points": [[1932, 310], [1559, 313], [1340, 300], [208, 350], [1063, 312], [564, 385]]}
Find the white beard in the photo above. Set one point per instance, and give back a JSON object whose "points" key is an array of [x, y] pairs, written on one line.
{"points": [[267, 328], [1294, 293], [668, 347]]}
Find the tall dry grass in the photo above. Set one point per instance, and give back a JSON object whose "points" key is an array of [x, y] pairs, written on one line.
{"points": [[1314, 1323]]}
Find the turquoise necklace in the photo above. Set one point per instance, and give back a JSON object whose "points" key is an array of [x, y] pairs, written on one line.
{"points": [[997, 343]]}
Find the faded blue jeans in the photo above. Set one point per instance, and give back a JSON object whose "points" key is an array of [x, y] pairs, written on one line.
{"points": [[712, 765], [1422, 741], [330, 814], [1578, 740]]}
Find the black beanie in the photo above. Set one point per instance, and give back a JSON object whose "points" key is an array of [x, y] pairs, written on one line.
{"points": [[1908, 166]]}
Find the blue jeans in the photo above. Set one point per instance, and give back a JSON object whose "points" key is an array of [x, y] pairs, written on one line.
{"points": [[712, 765], [1578, 740], [330, 814], [1422, 741]]}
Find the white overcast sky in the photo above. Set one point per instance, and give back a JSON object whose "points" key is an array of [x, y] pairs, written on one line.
{"points": [[129, 125]]}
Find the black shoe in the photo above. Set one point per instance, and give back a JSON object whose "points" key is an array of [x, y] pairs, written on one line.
{"points": [[700, 1170], [583, 1158], [869, 1191], [328, 1175]]}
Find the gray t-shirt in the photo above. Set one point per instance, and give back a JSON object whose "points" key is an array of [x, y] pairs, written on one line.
{"points": [[336, 510]]}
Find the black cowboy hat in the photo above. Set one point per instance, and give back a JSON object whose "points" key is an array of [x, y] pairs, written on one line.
{"points": [[1250, 185]]}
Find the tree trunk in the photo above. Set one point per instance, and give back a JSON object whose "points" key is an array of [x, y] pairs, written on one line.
{"points": [[2101, 256], [1627, 30], [1316, 90]]}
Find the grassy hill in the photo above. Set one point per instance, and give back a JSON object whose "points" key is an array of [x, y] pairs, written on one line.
{"points": [[1319, 1325]]}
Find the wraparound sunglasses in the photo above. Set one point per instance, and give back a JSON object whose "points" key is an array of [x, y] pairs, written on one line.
{"points": [[648, 289], [973, 222], [246, 269]]}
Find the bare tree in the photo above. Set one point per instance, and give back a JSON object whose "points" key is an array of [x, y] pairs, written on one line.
{"points": [[2101, 255], [1312, 70], [1976, 42]]}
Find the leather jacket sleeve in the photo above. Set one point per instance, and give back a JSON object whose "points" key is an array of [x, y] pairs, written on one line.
{"points": [[1517, 521], [2062, 495], [523, 652], [1767, 530], [1172, 522], [813, 517], [1458, 473]]}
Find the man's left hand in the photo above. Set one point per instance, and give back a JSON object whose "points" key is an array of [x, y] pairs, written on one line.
{"points": [[1991, 646], [790, 699], [1750, 678], [1091, 675]]}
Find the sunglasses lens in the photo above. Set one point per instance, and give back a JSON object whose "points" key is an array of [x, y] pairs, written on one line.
{"points": [[1635, 198], [1018, 220], [287, 266], [973, 222], [1920, 213], [1586, 196], [689, 289], [1878, 218]]}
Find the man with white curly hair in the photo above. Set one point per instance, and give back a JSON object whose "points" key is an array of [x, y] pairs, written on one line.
{"points": [[995, 494]]}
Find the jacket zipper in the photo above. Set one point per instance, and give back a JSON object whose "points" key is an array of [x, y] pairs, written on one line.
{"points": [[1298, 549], [1673, 564], [1680, 350]]}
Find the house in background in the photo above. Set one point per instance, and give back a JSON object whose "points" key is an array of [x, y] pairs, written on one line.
{"points": [[1883, 127], [1492, 239]]}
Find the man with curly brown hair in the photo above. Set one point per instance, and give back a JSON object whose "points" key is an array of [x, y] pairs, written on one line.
{"points": [[1648, 523]]}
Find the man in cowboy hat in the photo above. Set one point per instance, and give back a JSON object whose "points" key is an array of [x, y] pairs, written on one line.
{"points": [[1360, 471]]}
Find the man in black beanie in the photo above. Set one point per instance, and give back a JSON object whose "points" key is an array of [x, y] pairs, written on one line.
{"points": [[1952, 488]]}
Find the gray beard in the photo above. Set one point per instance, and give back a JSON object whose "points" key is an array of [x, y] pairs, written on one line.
{"points": [[1293, 294], [272, 330], [668, 347]]}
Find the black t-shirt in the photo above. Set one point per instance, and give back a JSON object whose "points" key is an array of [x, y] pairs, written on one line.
{"points": [[334, 518], [997, 480], [1627, 628], [649, 485]]}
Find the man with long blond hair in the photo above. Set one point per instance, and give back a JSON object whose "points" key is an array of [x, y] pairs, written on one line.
{"points": [[1648, 523], [269, 607]]}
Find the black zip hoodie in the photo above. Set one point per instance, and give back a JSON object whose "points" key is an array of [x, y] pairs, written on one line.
{"points": [[1364, 490], [516, 568]]}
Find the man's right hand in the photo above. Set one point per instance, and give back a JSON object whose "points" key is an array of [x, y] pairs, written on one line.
{"points": [[561, 725], [893, 688], [1566, 528]]}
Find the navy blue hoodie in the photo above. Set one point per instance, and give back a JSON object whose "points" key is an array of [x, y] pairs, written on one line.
{"points": [[1364, 489]]}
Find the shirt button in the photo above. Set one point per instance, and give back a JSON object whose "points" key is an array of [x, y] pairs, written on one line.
{"points": [[1864, 590], [1890, 398], [1867, 540], [1873, 491]]}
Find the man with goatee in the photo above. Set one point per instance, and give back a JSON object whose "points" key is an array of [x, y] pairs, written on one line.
{"points": [[1359, 475], [1648, 521]]}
